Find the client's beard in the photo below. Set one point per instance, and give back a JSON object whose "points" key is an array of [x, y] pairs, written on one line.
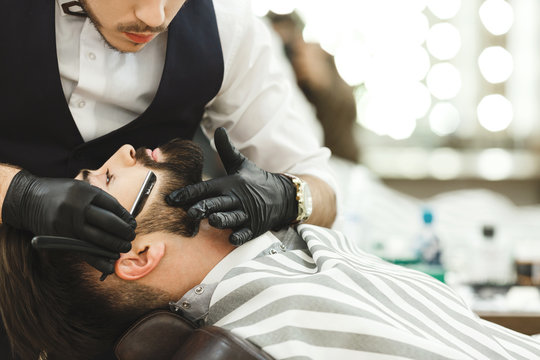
{"points": [[182, 165]]}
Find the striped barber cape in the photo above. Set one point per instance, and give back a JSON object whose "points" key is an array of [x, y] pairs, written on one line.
{"points": [[335, 301]]}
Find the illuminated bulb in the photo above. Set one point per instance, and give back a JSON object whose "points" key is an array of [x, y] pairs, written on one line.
{"points": [[495, 112], [445, 164], [353, 63], [260, 7], [444, 119], [444, 9], [386, 114], [397, 65], [444, 81], [496, 64], [443, 41], [495, 164], [417, 5], [497, 16], [401, 128], [412, 163], [282, 7], [418, 99]]}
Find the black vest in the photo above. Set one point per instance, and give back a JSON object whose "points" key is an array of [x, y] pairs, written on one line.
{"points": [[37, 130]]}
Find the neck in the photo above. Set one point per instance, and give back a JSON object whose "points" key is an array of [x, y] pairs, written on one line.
{"points": [[195, 257]]}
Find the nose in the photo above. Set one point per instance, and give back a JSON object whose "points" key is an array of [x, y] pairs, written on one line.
{"points": [[126, 155], [151, 12]]}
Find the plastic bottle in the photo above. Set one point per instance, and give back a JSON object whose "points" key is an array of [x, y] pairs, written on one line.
{"points": [[429, 248], [495, 259]]}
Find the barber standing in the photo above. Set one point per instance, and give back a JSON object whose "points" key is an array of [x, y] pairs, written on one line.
{"points": [[79, 79]]}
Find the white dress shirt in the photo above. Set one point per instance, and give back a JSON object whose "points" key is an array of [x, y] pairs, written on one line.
{"points": [[265, 116]]}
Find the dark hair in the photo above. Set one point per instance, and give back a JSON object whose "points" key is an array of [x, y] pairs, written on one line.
{"points": [[182, 165], [53, 308]]}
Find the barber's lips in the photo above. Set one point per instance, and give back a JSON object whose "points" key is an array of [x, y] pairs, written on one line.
{"points": [[140, 38]]}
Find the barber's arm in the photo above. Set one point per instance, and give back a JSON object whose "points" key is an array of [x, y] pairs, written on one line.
{"points": [[324, 202], [65, 207], [268, 121]]}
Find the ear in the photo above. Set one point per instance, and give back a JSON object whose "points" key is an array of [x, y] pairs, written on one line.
{"points": [[139, 261]]}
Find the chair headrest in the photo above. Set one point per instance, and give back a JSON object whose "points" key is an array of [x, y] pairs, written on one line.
{"points": [[156, 335], [163, 335]]}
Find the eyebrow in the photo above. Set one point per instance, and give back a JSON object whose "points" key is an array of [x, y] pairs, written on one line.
{"points": [[85, 175]]}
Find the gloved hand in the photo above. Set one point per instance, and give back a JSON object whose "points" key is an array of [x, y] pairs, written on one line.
{"points": [[69, 208], [249, 200]]}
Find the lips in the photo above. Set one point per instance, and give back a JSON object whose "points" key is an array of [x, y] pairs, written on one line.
{"points": [[140, 38], [154, 155]]}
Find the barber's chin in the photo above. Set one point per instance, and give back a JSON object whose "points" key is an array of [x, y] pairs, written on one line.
{"points": [[120, 43]]}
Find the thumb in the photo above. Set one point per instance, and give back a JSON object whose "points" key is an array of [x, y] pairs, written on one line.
{"points": [[231, 158]]}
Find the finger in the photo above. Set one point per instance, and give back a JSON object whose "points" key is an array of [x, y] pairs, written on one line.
{"points": [[193, 193], [105, 240], [109, 223], [231, 158], [241, 236], [228, 220], [204, 208], [108, 202], [105, 265]]}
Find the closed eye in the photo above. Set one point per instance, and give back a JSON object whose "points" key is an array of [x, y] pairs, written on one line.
{"points": [[109, 177]]}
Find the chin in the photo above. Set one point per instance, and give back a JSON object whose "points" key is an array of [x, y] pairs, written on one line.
{"points": [[131, 48], [122, 45]]}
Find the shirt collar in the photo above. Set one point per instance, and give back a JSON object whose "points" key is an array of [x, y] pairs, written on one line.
{"points": [[64, 3], [195, 304]]}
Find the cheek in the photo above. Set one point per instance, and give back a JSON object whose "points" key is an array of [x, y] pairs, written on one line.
{"points": [[172, 9], [125, 193], [109, 13]]}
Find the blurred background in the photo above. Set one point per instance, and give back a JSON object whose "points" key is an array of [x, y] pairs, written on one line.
{"points": [[445, 89], [432, 114]]}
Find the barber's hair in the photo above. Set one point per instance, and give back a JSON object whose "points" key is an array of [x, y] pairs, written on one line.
{"points": [[50, 305]]}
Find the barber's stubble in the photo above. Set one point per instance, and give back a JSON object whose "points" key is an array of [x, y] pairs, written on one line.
{"points": [[134, 27]]}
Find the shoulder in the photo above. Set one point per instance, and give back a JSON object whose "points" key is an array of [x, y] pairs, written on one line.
{"points": [[240, 30], [232, 17]]}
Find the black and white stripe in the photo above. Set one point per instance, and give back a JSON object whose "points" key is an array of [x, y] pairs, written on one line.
{"points": [[335, 301]]}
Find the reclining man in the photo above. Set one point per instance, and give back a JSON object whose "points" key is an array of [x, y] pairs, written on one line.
{"points": [[305, 293]]}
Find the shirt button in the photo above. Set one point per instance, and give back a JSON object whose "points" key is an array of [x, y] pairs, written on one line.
{"points": [[82, 104], [282, 247], [199, 290], [92, 56]]}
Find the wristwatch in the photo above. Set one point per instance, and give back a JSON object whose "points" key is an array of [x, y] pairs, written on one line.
{"points": [[303, 197]]}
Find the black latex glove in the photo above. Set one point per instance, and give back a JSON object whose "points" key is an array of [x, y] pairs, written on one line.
{"points": [[69, 208], [249, 200]]}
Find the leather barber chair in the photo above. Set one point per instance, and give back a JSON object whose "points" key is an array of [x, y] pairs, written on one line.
{"points": [[163, 335]]}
